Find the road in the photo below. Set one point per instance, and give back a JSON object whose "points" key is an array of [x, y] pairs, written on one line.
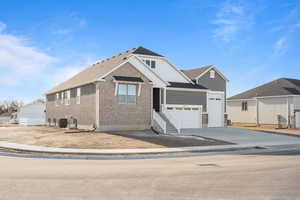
{"points": [[252, 175]]}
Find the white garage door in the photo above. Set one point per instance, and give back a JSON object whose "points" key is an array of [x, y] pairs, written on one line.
{"points": [[215, 108], [184, 116], [297, 119]]}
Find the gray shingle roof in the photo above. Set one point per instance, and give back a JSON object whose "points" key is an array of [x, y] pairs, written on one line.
{"points": [[128, 78], [185, 85], [194, 73], [144, 51], [90, 74], [279, 87]]}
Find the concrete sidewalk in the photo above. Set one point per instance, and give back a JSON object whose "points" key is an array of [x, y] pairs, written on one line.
{"points": [[40, 149]]}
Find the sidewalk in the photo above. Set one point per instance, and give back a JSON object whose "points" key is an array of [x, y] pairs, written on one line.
{"points": [[40, 149]]}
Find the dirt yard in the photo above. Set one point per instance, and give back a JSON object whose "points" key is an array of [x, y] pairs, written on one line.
{"points": [[267, 129], [56, 137]]}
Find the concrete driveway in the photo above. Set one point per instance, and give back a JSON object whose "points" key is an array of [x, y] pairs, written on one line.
{"points": [[244, 137]]}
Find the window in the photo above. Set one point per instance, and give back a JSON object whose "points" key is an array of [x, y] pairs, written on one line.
{"points": [[78, 94], [153, 64], [62, 97], [212, 74], [150, 63], [68, 97], [57, 99], [126, 94], [244, 106]]}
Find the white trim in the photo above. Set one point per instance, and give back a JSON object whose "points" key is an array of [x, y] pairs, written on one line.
{"points": [[148, 56], [150, 69], [188, 89], [139, 89], [116, 88], [115, 68], [179, 71], [216, 70]]}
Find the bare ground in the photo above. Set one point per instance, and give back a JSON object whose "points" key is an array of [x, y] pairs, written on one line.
{"points": [[267, 128], [56, 137]]}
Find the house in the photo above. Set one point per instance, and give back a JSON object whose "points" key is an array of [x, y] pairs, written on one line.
{"points": [[138, 89], [32, 114], [274, 103]]}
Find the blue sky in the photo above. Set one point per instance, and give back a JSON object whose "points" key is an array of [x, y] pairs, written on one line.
{"points": [[45, 42]]}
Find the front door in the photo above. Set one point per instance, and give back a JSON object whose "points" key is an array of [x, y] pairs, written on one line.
{"points": [[156, 99]]}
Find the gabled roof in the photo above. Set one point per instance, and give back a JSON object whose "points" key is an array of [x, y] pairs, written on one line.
{"points": [[279, 87], [90, 74], [186, 85], [194, 73], [198, 72]]}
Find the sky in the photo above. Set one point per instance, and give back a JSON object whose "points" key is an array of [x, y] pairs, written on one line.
{"points": [[44, 42]]}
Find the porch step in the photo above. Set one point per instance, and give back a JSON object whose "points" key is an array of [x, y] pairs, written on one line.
{"points": [[171, 129]]}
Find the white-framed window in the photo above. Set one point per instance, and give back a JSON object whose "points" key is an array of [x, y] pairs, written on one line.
{"points": [[244, 106], [151, 63], [56, 99], [68, 97], [212, 74], [126, 94], [78, 94]]}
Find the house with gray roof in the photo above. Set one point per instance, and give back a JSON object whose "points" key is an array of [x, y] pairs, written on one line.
{"points": [[274, 103], [139, 89]]}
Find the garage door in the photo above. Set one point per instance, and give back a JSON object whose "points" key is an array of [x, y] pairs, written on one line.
{"points": [[297, 119], [215, 108], [184, 116]]}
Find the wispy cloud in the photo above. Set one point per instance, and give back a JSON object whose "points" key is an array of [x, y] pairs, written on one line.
{"points": [[230, 19], [280, 47], [25, 67]]}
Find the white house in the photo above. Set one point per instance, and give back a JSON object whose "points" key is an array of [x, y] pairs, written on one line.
{"points": [[274, 103], [32, 114]]}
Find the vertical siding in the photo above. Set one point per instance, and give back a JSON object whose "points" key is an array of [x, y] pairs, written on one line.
{"points": [[187, 98]]}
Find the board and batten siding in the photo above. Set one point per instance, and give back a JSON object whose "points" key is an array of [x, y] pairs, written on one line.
{"points": [[187, 98], [214, 84], [236, 115]]}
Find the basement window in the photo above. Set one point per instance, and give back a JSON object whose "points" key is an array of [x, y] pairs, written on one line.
{"points": [[244, 106]]}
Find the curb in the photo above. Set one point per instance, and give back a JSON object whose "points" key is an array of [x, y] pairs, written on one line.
{"points": [[51, 150]]}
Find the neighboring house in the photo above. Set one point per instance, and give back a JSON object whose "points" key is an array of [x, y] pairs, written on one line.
{"points": [[135, 90], [32, 114], [274, 103]]}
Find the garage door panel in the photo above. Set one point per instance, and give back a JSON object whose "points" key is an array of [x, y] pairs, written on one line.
{"points": [[215, 108], [297, 119], [185, 116]]}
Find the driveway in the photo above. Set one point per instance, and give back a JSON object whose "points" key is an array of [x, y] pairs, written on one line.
{"points": [[244, 137]]}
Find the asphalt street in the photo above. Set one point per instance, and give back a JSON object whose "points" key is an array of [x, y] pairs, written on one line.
{"points": [[251, 174]]}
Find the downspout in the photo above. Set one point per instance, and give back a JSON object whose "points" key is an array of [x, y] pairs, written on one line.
{"points": [[97, 121], [288, 114], [257, 112]]}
